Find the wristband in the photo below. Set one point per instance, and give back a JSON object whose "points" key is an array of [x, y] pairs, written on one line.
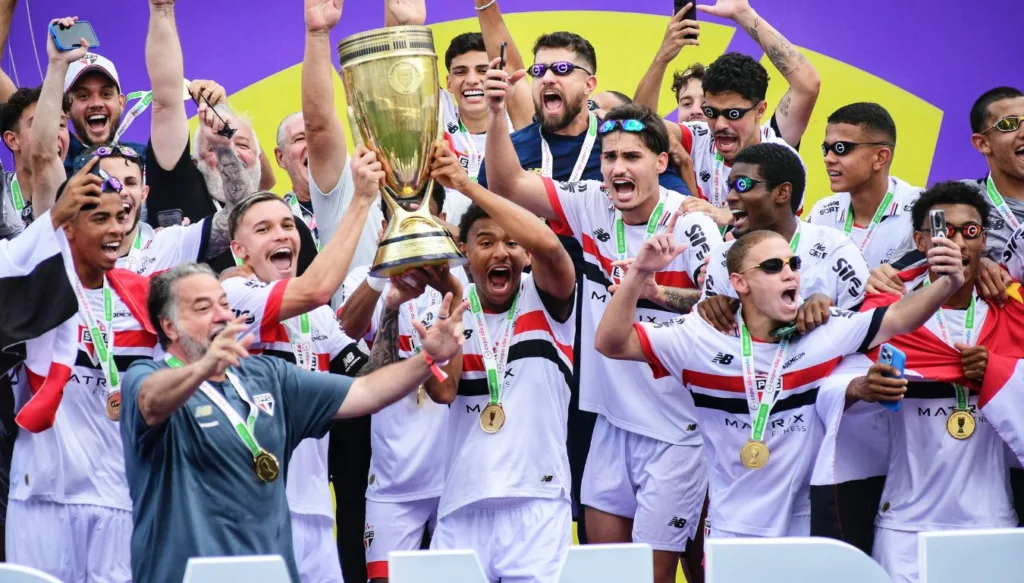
{"points": [[435, 368], [376, 283]]}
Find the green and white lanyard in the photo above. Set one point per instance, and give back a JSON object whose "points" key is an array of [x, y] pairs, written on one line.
{"points": [[145, 100], [474, 155], [246, 430], [495, 357], [940, 321], [794, 243], [760, 408], [875, 220], [302, 343], [547, 162], [1000, 204], [299, 211], [622, 254], [135, 249], [19, 200], [103, 343], [717, 194]]}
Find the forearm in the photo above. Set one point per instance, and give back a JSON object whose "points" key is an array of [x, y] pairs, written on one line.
{"points": [[237, 186], [166, 68], [679, 300], [912, 311], [324, 132], [650, 85], [793, 65], [385, 345], [47, 167], [505, 174], [615, 331], [267, 178], [357, 313], [444, 392], [373, 392], [167, 390], [520, 224]]}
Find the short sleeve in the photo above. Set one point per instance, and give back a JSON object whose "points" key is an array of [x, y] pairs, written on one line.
{"points": [[817, 214], [716, 279], [135, 432], [851, 275], [570, 200], [184, 243], [701, 236], [181, 187], [851, 332], [329, 207], [1011, 257], [260, 302], [353, 280], [312, 399], [667, 345]]}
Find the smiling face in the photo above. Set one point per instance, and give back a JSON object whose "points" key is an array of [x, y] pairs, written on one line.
{"points": [[774, 295], [200, 312], [731, 136], [630, 169], [496, 263], [292, 154], [848, 172], [972, 250], [466, 83], [134, 193], [96, 107], [760, 207], [560, 100], [267, 241], [1004, 150], [95, 235]]}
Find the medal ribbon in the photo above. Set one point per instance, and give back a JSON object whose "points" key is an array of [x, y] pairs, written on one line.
{"points": [[145, 100], [620, 234], [102, 344], [795, 241], [244, 429], [761, 408], [299, 211], [875, 220], [717, 196], [494, 361], [19, 201], [547, 162], [302, 347], [1000, 204], [476, 157], [940, 320]]}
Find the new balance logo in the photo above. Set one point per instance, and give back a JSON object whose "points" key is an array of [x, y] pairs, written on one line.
{"points": [[452, 128], [602, 235], [722, 358], [705, 175], [547, 479], [677, 522]]}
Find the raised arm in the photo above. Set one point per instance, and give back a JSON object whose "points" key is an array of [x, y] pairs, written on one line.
{"points": [[165, 64], [325, 135], [504, 173], [649, 89], [7, 87], [794, 110], [494, 31]]}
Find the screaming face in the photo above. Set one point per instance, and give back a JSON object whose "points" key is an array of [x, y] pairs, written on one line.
{"points": [[733, 135], [96, 107], [496, 264], [559, 100], [267, 241], [774, 295], [630, 169]]}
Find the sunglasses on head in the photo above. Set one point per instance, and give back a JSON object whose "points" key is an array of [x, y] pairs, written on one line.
{"points": [[775, 265], [970, 230], [732, 113], [110, 184], [842, 148], [627, 125], [116, 149], [743, 184], [560, 69], [1009, 123]]}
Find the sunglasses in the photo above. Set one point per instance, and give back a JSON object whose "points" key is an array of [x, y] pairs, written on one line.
{"points": [[970, 231], [773, 266], [1009, 123], [627, 125], [733, 113], [743, 184], [227, 132], [843, 148], [116, 150], [560, 69], [110, 184]]}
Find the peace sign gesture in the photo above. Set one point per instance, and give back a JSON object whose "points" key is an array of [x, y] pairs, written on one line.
{"points": [[658, 252]]}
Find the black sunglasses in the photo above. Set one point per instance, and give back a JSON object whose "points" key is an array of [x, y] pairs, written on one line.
{"points": [[560, 69], [842, 148], [775, 265], [732, 113]]}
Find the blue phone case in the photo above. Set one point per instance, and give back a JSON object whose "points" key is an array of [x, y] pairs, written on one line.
{"points": [[61, 47], [894, 357]]}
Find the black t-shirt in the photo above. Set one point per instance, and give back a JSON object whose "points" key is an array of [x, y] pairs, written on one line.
{"points": [[184, 188]]}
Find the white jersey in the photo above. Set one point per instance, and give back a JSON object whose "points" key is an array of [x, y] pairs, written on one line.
{"points": [[153, 252], [892, 238], [80, 460], [527, 457], [1013, 256], [657, 408], [743, 501], [831, 265], [711, 169], [307, 482]]}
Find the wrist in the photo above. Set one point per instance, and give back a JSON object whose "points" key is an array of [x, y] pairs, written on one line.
{"points": [[377, 284], [324, 33], [162, 9], [662, 59], [746, 15]]}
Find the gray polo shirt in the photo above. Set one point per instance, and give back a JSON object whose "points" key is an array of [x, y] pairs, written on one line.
{"points": [[999, 232], [193, 488]]}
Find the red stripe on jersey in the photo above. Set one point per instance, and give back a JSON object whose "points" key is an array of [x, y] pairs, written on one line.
{"points": [[678, 279], [270, 328], [536, 321], [377, 569], [560, 225], [790, 380], [323, 362], [657, 368], [472, 363], [687, 138], [405, 343]]}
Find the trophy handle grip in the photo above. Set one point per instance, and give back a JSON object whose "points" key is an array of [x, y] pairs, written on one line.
{"points": [[354, 128]]}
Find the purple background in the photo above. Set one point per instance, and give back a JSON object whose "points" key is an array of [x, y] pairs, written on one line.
{"points": [[945, 52]]}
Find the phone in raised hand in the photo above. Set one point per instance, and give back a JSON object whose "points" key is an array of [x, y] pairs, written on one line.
{"points": [[894, 357], [937, 222], [69, 38], [691, 14]]}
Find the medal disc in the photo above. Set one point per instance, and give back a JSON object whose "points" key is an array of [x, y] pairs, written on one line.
{"points": [[114, 406], [961, 424], [266, 466], [754, 455], [492, 418]]}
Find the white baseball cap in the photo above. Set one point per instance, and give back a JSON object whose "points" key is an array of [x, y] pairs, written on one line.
{"points": [[91, 62]]}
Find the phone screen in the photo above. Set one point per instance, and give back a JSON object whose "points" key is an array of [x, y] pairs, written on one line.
{"points": [[70, 38]]}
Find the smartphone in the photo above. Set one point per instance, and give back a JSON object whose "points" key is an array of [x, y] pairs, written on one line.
{"points": [[894, 357], [170, 218], [502, 63], [691, 14], [937, 220], [69, 38]]}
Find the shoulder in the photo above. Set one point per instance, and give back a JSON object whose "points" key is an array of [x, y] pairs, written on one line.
{"points": [[527, 136], [831, 237], [139, 370], [829, 205]]}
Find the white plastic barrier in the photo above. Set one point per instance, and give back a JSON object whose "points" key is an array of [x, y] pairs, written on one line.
{"points": [[18, 574], [609, 564], [435, 567], [253, 569], [992, 556], [791, 560]]}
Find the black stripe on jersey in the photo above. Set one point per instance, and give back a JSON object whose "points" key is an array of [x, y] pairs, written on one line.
{"points": [[929, 390], [738, 406], [597, 275], [122, 361], [876, 323], [533, 348]]}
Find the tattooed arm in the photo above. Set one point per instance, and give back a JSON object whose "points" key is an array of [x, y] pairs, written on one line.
{"points": [[237, 186], [385, 345], [677, 299]]}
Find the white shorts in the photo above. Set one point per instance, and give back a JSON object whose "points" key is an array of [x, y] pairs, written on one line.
{"points": [[395, 526], [73, 542], [659, 485], [316, 551], [517, 541], [896, 552], [798, 526]]}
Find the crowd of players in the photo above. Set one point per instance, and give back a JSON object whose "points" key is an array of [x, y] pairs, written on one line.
{"points": [[646, 338]]}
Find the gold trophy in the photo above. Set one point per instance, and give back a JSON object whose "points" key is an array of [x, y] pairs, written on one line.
{"points": [[390, 77]]}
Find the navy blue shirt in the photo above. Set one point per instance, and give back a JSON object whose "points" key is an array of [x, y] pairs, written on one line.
{"points": [[76, 148], [191, 479]]}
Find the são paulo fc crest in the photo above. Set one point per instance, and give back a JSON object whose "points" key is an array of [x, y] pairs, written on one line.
{"points": [[265, 402], [368, 536]]}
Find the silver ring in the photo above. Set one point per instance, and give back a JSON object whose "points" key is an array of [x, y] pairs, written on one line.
{"points": [[440, 317]]}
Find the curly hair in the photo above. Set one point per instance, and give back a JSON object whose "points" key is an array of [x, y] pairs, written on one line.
{"points": [[680, 79], [737, 73], [952, 192], [778, 164]]}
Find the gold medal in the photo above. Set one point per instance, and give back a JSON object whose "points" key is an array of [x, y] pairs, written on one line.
{"points": [[754, 454], [961, 424], [421, 394], [492, 418], [114, 406], [266, 466]]}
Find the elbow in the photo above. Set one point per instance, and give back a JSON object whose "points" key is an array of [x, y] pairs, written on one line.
{"points": [[605, 343], [444, 396], [322, 296], [813, 83]]}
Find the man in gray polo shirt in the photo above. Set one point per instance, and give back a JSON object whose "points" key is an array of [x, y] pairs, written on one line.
{"points": [[209, 431]]}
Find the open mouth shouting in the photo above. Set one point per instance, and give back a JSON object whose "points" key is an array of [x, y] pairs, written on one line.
{"points": [[789, 299], [499, 279], [727, 142], [96, 122], [623, 189], [552, 101], [282, 258], [739, 219], [111, 250], [1019, 152]]}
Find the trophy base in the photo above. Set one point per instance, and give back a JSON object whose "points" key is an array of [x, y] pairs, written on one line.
{"points": [[399, 254]]}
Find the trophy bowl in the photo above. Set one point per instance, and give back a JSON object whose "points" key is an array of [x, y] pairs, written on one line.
{"points": [[391, 83]]}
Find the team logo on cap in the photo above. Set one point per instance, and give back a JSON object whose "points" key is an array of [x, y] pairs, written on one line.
{"points": [[89, 59], [265, 402]]}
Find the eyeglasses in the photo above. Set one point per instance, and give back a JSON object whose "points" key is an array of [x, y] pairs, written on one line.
{"points": [[775, 265], [560, 69], [743, 184], [842, 148], [116, 149], [970, 230], [1009, 123], [627, 125], [227, 131], [733, 113], [110, 184]]}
